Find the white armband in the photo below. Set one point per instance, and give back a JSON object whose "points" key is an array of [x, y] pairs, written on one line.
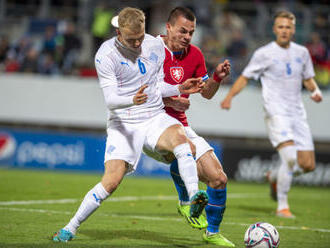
{"points": [[317, 91], [114, 101], [169, 89]]}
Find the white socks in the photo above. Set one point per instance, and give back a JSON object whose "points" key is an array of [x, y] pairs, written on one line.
{"points": [[297, 170], [90, 203], [187, 168], [288, 156], [284, 179]]}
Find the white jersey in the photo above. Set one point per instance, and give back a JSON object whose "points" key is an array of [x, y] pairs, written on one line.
{"points": [[281, 72], [128, 71]]}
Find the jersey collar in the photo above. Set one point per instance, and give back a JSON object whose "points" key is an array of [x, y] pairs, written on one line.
{"points": [[179, 54]]}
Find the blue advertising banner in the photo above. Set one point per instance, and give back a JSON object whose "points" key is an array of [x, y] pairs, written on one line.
{"points": [[51, 150], [57, 151]]}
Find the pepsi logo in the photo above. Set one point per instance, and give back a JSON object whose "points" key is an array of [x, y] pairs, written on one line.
{"points": [[7, 145]]}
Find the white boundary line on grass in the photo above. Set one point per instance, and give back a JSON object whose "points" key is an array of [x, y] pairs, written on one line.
{"points": [[120, 199], [143, 217]]}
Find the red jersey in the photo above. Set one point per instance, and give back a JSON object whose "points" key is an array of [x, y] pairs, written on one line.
{"points": [[180, 67]]}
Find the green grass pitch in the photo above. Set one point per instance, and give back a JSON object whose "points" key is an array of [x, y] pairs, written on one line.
{"points": [[142, 213]]}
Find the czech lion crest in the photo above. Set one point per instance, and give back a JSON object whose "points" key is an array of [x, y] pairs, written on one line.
{"points": [[177, 73]]}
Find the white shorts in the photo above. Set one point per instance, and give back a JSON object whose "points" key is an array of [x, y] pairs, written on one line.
{"points": [[285, 128], [125, 141], [201, 147]]}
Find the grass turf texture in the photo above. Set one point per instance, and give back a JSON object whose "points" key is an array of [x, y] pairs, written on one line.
{"points": [[154, 222]]}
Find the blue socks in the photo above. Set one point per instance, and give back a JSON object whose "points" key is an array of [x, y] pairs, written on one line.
{"points": [[215, 208], [217, 199], [179, 184]]}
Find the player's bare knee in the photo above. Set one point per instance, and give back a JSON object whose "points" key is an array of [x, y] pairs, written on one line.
{"points": [[307, 166], [307, 163], [223, 179], [110, 185], [181, 139], [219, 181]]}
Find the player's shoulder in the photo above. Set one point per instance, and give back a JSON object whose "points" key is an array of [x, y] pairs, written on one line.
{"points": [[106, 48], [298, 47], [153, 41], [195, 49], [264, 51], [105, 54]]}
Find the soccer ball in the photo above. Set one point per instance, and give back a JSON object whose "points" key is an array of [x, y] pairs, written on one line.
{"points": [[261, 235]]}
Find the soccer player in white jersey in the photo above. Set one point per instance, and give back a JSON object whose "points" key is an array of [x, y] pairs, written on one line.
{"points": [[283, 66], [182, 61], [130, 71]]}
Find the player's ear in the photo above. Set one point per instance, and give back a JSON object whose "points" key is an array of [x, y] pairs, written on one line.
{"points": [[118, 31], [168, 26]]}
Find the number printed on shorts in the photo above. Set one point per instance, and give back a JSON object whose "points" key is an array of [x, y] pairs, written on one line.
{"points": [[141, 67]]}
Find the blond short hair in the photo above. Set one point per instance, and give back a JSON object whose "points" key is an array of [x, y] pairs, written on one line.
{"points": [[132, 19], [286, 14]]}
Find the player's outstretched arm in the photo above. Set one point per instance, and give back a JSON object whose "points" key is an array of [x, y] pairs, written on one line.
{"points": [[239, 84], [311, 85], [191, 86], [212, 85]]}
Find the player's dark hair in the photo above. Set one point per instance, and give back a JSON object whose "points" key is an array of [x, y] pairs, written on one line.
{"points": [[181, 11]]}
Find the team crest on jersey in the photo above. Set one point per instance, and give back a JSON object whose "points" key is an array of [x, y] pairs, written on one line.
{"points": [[177, 73]]}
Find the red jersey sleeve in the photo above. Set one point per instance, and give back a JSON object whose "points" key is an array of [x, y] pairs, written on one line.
{"points": [[201, 66]]}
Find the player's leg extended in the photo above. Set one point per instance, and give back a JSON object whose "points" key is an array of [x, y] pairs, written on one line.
{"points": [[211, 172], [291, 166], [281, 134], [174, 139], [288, 155], [184, 201], [114, 172], [179, 184]]}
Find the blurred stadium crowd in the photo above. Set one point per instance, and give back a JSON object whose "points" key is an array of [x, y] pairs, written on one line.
{"points": [[60, 37]]}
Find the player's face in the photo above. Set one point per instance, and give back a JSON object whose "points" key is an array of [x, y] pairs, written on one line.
{"points": [[180, 34], [284, 29], [131, 40]]}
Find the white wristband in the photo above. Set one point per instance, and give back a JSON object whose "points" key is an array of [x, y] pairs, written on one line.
{"points": [[317, 91]]}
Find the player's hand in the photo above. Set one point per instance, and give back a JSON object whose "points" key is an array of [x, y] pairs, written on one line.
{"points": [[191, 86], [177, 103], [316, 96], [223, 70], [140, 97], [226, 103]]}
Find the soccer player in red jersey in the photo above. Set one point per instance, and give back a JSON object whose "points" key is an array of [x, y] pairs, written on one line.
{"points": [[184, 60]]}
